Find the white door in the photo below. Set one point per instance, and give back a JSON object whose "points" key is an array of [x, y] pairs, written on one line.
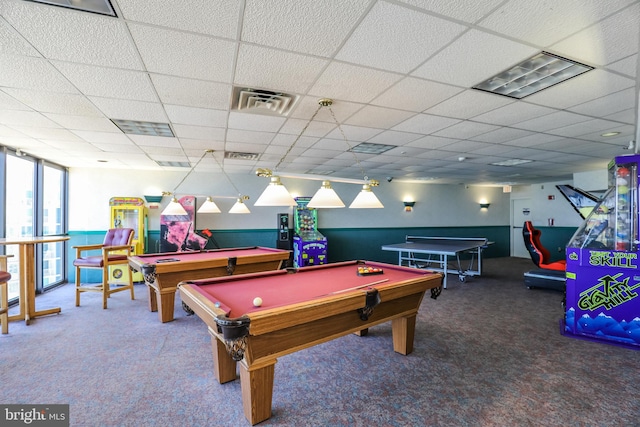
{"points": [[520, 212]]}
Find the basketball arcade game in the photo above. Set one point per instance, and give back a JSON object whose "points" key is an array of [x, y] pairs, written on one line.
{"points": [[603, 281], [309, 245]]}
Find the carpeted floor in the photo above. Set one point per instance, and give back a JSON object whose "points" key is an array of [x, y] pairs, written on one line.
{"points": [[488, 352]]}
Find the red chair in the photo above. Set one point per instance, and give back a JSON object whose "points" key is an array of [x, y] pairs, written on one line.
{"points": [[115, 250], [539, 254]]}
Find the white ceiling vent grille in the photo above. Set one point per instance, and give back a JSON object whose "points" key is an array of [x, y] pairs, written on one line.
{"points": [[262, 101], [235, 155]]}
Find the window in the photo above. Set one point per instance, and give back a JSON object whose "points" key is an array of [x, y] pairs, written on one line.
{"points": [[35, 195]]}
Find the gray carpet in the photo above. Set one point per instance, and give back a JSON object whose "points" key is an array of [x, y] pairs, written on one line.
{"points": [[488, 352]]}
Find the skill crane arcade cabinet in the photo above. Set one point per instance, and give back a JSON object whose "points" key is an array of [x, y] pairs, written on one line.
{"points": [[129, 212], [603, 277], [309, 245]]}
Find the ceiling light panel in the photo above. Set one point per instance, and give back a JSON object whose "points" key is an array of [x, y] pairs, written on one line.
{"points": [[102, 7], [511, 162], [370, 148], [143, 128], [533, 75], [173, 164], [236, 155]]}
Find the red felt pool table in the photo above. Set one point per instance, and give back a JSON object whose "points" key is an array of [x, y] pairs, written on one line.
{"points": [[162, 272], [301, 308]]}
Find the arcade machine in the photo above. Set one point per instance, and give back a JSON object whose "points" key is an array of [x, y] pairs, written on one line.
{"points": [[178, 232], [129, 212], [603, 281], [309, 245]]}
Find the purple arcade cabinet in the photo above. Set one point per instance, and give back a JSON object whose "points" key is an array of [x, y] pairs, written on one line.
{"points": [[603, 270], [309, 245]]}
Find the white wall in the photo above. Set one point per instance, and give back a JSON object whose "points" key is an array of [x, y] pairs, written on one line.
{"points": [[437, 205], [543, 207]]}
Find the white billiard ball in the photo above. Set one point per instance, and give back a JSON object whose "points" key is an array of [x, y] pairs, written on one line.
{"points": [[257, 301]]}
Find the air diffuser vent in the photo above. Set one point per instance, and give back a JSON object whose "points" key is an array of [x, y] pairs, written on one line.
{"points": [[241, 156], [262, 101]]}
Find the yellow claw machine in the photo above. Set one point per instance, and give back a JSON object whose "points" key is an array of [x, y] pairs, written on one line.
{"points": [[129, 212]]}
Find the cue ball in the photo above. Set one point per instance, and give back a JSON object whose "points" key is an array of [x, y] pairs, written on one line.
{"points": [[257, 301]]}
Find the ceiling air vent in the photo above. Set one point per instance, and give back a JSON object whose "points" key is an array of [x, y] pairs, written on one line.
{"points": [[260, 101], [235, 155]]}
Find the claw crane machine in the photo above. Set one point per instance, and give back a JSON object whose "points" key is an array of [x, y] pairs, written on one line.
{"points": [[129, 212], [603, 270], [309, 245]]}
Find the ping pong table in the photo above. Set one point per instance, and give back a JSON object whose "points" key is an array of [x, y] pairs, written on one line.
{"points": [[434, 253]]}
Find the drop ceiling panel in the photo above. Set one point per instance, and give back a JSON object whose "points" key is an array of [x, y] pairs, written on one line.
{"points": [[555, 120], [352, 83], [196, 116], [425, 124], [25, 118], [130, 110], [186, 15], [547, 23], [108, 82], [393, 38], [391, 137], [316, 27], [474, 47], [272, 69], [9, 103], [83, 123], [468, 104], [32, 73], [67, 35], [191, 93], [415, 94], [608, 42], [255, 122], [458, 9], [513, 113], [628, 65], [49, 102], [378, 117], [465, 129], [183, 54], [199, 132]]}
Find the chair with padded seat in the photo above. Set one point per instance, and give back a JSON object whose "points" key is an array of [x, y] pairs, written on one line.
{"points": [[114, 251], [539, 254]]}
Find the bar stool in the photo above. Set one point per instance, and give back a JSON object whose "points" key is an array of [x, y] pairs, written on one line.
{"points": [[5, 276]]}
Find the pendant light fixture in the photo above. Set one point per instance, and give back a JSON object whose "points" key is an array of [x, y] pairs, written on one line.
{"points": [[277, 195], [239, 207], [325, 197], [209, 206], [366, 199]]}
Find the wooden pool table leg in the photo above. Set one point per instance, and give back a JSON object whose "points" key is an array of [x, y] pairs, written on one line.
{"points": [[165, 308], [224, 366], [403, 330], [257, 390], [153, 301]]}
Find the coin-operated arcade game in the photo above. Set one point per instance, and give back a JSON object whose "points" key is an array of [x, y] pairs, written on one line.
{"points": [[309, 245], [129, 212], [603, 271]]}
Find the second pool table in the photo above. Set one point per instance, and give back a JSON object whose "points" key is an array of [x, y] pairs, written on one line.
{"points": [[163, 271], [301, 308]]}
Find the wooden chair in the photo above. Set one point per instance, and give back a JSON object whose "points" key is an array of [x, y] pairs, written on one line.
{"points": [[116, 250], [5, 276]]}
